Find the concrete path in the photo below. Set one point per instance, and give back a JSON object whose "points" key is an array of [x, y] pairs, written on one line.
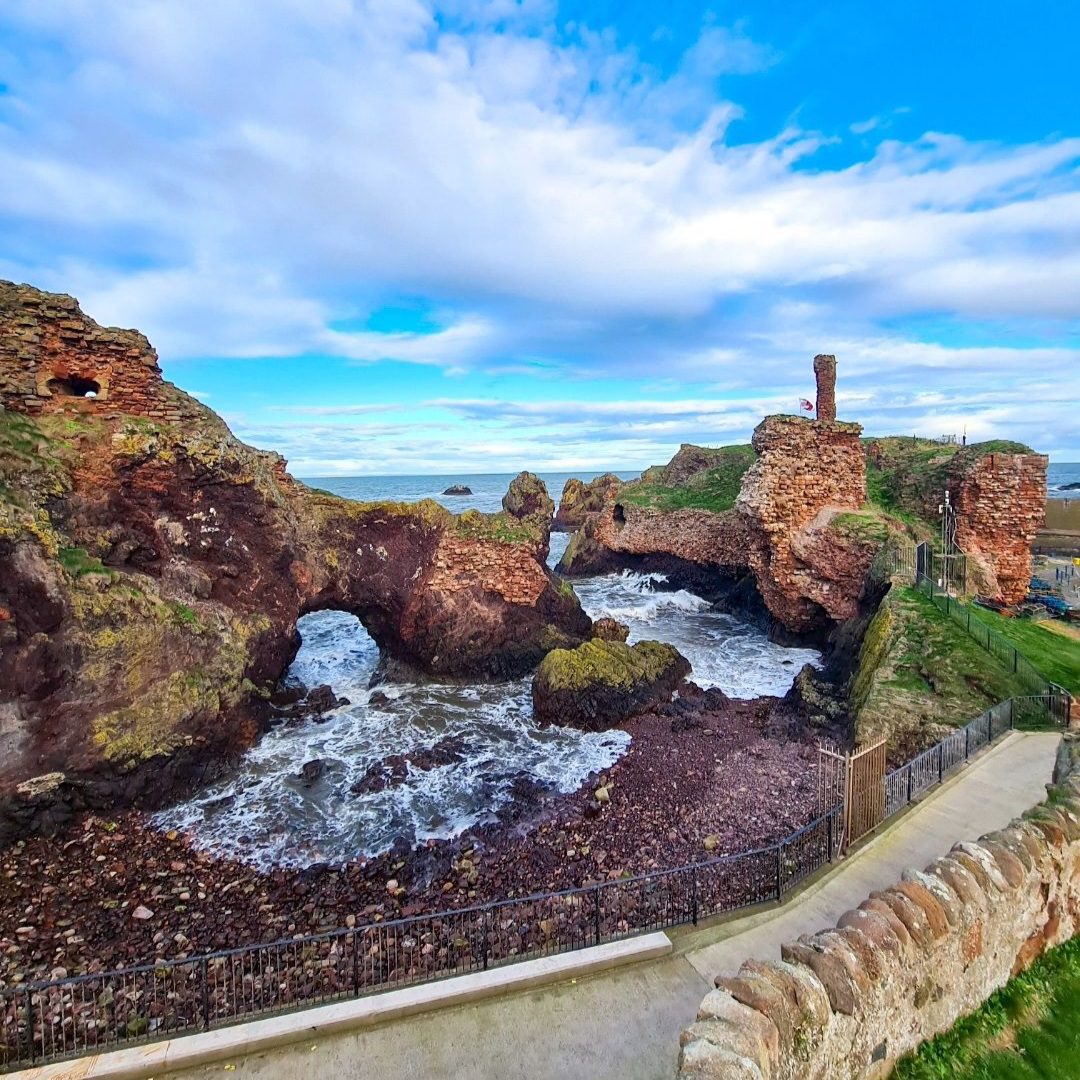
{"points": [[626, 1024]]}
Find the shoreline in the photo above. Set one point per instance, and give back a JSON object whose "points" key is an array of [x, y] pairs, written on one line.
{"points": [[699, 780]]}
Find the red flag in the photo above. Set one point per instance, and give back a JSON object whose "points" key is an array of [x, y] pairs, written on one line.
{"points": [[808, 406]]}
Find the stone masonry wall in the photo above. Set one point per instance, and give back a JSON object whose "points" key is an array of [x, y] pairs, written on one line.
{"points": [[461, 563], [804, 467], [1000, 502], [845, 1003], [46, 341]]}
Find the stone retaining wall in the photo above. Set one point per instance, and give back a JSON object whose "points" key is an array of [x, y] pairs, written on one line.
{"points": [[845, 1003]]}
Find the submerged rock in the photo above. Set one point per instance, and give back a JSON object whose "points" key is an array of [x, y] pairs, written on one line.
{"points": [[601, 683], [458, 489]]}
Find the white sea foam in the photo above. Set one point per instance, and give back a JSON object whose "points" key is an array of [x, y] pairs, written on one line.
{"points": [[266, 814]]}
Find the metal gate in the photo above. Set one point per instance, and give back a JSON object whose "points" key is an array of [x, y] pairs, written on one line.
{"points": [[866, 790], [924, 561], [854, 781]]}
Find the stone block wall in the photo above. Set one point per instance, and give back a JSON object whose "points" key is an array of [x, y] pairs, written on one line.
{"points": [[51, 353], [1000, 502], [845, 1003], [804, 468], [461, 563]]}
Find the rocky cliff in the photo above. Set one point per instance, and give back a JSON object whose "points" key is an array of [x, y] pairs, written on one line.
{"points": [[153, 567], [774, 510]]}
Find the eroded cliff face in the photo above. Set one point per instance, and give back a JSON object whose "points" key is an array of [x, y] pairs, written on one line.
{"points": [[153, 567], [783, 528]]}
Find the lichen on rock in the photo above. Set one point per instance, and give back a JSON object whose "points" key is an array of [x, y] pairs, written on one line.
{"points": [[153, 568], [601, 683]]}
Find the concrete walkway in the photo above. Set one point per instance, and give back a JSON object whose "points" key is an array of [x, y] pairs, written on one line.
{"points": [[625, 1024]]}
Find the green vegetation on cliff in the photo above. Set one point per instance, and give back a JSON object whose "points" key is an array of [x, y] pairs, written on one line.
{"points": [[905, 477], [1027, 1030], [921, 673], [714, 488]]}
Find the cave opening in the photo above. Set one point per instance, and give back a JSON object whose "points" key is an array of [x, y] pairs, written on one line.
{"points": [[74, 386], [619, 514]]}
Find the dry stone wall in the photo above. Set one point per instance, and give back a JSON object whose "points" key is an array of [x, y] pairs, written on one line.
{"points": [[845, 1003], [461, 563]]}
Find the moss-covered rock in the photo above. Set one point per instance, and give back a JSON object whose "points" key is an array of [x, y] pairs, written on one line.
{"points": [[601, 683], [580, 499]]}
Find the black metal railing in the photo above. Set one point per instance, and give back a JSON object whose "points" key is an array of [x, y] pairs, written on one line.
{"points": [[46, 1021], [998, 645]]}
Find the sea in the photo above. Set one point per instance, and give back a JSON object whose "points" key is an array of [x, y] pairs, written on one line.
{"points": [[1059, 475], [268, 815]]}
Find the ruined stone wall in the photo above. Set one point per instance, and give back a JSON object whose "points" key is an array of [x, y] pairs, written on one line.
{"points": [[461, 563], [50, 351], [805, 470], [1000, 502], [844, 1004], [695, 535]]}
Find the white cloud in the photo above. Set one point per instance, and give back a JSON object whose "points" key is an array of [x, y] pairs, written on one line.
{"points": [[237, 179]]}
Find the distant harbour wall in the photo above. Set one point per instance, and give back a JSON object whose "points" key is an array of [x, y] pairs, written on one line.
{"points": [[1061, 533]]}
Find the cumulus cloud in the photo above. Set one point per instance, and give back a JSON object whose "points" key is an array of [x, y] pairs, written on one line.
{"points": [[241, 180]]}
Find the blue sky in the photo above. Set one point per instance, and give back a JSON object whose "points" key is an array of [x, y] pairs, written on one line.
{"points": [[401, 236]]}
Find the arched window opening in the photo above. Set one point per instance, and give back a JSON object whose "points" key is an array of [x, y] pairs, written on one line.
{"points": [[74, 386]]}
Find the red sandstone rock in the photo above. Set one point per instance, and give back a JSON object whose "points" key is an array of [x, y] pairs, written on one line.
{"points": [[138, 660]]}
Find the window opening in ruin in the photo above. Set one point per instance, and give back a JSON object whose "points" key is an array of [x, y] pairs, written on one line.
{"points": [[74, 386], [619, 514]]}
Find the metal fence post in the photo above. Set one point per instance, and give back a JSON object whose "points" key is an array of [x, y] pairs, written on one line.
{"points": [[967, 742], [910, 782], [693, 894], [355, 966], [779, 873], [30, 1024], [941, 762], [206, 994], [1012, 713], [596, 913], [484, 939]]}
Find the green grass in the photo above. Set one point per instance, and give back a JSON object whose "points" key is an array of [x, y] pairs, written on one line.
{"points": [[866, 526], [920, 671], [79, 562], [1056, 654], [714, 489], [1027, 1030]]}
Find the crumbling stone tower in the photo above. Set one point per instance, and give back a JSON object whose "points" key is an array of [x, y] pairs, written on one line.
{"points": [[825, 374], [54, 358]]}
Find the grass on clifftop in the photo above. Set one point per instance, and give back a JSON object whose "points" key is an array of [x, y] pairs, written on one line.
{"points": [[1052, 647], [920, 673], [905, 477], [714, 489], [1027, 1030]]}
